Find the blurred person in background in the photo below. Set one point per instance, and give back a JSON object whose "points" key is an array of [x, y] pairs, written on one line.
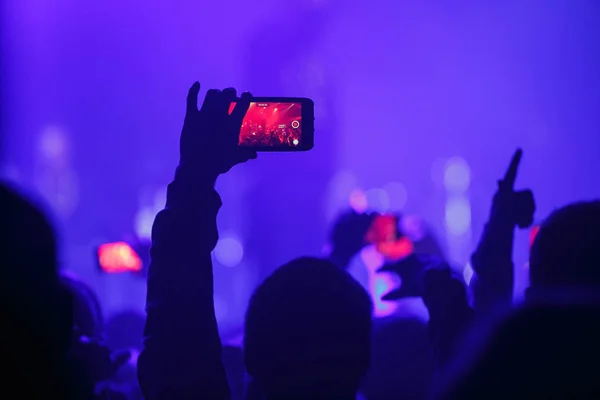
{"points": [[95, 362]]}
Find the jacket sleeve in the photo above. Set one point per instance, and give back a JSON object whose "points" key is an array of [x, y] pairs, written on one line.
{"points": [[181, 358], [450, 315], [493, 270]]}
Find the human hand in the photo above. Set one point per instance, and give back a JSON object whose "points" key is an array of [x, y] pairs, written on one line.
{"points": [[98, 361], [433, 280], [412, 271], [518, 208], [209, 138]]}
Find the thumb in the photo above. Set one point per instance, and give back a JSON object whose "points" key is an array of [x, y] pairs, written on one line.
{"points": [[192, 99]]}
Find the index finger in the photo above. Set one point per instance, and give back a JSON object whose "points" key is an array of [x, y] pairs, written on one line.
{"points": [[192, 98], [241, 108], [511, 173], [239, 112]]}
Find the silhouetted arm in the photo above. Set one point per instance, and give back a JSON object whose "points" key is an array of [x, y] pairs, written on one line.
{"points": [[493, 278], [493, 271], [182, 350], [450, 315]]}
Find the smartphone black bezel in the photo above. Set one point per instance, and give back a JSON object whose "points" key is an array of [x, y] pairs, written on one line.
{"points": [[308, 124]]}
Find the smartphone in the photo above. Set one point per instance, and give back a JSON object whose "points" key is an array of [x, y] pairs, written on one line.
{"points": [[278, 124], [118, 257]]}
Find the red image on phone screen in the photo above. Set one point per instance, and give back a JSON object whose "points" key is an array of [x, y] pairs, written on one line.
{"points": [[271, 125]]}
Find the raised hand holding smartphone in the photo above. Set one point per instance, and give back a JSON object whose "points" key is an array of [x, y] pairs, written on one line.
{"points": [[519, 205]]}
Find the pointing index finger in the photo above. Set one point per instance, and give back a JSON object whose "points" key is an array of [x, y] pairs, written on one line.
{"points": [[511, 173], [192, 98]]}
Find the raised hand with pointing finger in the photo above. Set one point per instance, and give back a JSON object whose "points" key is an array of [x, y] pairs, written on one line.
{"points": [[510, 206], [492, 282]]}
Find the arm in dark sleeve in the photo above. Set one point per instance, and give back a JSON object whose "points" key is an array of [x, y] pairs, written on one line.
{"points": [[450, 315], [493, 271], [181, 358]]}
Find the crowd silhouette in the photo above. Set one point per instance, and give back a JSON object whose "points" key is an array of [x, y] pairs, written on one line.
{"points": [[309, 330]]}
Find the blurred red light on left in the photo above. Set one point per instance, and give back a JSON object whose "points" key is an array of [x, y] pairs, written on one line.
{"points": [[533, 234], [118, 257]]}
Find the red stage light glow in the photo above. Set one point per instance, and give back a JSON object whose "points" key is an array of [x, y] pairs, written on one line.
{"points": [[118, 257]]}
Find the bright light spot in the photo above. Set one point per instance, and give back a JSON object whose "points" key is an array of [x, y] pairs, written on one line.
{"points": [[143, 222], [135, 354], [229, 251], [413, 227], [379, 283], [397, 195], [468, 273], [340, 195], [437, 171], [377, 200], [383, 283], [458, 216], [59, 186], [52, 143], [457, 175], [151, 200], [118, 257], [160, 198], [295, 141], [372, 259], [340, 187], [358, 201], [221, 309]]}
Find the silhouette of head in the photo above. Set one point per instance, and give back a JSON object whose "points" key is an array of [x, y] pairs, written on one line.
{"points": [[541, 352], [28, 247], [87, 313], [307, 332], [401, 360], [35, 312], [566, 250], [125, 330]]}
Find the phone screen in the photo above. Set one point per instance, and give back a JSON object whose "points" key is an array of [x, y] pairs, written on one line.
{"points": [[274, 126]]}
